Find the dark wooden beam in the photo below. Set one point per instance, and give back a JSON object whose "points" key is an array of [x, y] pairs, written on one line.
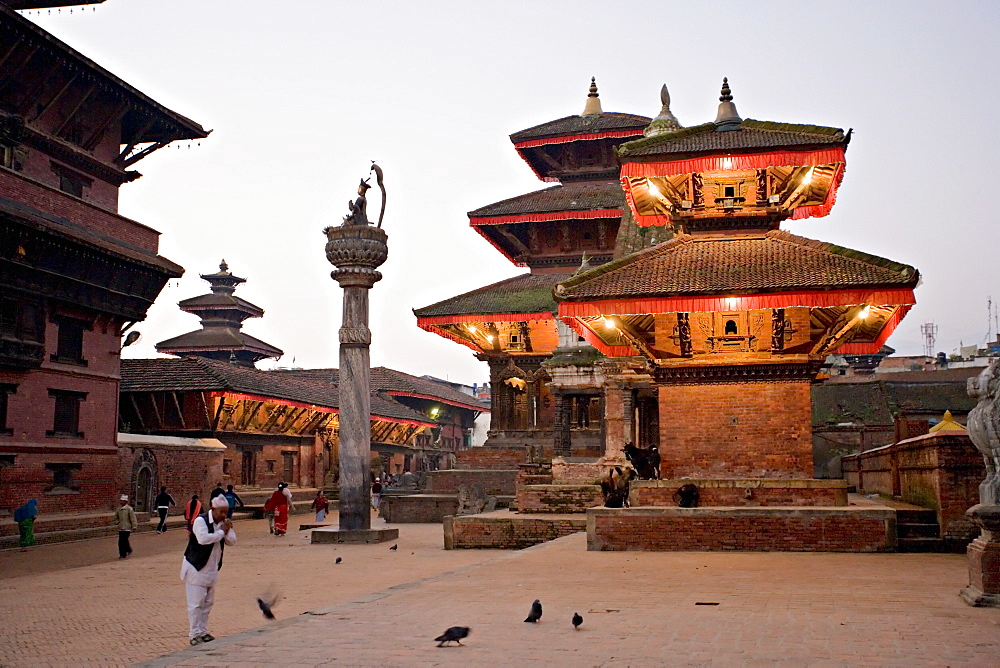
{"points": [[156, 410], [180, 413], [218, 413], [249, 415], [76, 108], [48, 105], [208, 416], [138, 413], [31, 93], [116, 115]]}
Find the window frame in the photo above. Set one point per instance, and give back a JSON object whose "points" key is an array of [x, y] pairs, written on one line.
{"points": [[69, 400]]}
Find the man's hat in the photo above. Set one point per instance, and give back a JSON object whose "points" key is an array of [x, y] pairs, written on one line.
{"points": [[124, 497], [220, 502]]}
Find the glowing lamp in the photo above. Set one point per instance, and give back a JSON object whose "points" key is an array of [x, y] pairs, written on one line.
{"points": [[609, 323], [865, 312], [653, 190], [489, 337], [807, 177], [727, 163], [732, 302], [472, 328]]}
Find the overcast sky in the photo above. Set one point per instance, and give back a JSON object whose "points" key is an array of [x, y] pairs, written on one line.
{"points": [[302, 94]]}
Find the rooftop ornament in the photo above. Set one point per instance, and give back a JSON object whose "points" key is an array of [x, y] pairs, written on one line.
{"points": [[593, 105], [665, 121], [728, 118]]}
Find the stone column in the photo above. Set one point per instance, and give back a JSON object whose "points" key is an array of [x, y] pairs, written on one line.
{"points": [[356, 250], [628, 414]]}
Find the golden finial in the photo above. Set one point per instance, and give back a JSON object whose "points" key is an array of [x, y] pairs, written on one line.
{"points": [[593, 105]]}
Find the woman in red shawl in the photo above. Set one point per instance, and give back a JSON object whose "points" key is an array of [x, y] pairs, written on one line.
{"points": [[192, 509], [278, 504]]}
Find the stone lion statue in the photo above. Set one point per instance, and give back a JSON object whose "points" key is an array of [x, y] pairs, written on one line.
{"points": [[984, 429]]}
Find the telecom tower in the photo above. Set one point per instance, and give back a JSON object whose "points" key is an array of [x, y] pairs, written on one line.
{"points": [[929, 331]]}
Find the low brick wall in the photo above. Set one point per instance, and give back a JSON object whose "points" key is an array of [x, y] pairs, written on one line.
{"points": [[417, 508], [495, 482], [742, 529], [506, 531], [940, 471], [558, 498], [752, 492], [481, 458], [582, 473]]}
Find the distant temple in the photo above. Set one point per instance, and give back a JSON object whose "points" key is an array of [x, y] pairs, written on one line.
{"points": [[222, 315]]}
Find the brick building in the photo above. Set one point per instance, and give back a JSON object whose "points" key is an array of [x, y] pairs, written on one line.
{"points": [[74, 274]]}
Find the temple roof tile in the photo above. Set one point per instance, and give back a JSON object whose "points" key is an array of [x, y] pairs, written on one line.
{"points": [[527, 293], [574, 196]]}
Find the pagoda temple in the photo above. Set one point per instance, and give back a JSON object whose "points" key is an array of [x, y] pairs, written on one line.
{"points": [[222, 315], [732, 319], [552, 232]]}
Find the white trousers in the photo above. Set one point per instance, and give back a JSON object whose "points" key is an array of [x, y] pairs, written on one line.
{"points": [[199, 600]]}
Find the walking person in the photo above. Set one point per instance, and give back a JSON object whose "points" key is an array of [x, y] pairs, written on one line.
{"points": [[320, 504], [202, 562], [163, 502], [191, 511], [233, 498], [127, 523], [376, 493], [279, 504], [25, 518], [217, 491]]}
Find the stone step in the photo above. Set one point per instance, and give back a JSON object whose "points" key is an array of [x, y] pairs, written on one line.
{"points": [[911, 545], [914, 516], [912, 530]]}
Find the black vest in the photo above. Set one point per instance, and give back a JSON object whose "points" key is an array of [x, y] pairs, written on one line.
{"points": [[198, 554]]}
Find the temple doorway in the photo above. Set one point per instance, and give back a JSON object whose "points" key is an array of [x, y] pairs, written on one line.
{"points": [[143, 489], [248, 468]]}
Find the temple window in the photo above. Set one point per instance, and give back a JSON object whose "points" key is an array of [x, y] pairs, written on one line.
{"points": [[66, 419], [730, 191], [69, 347], [270, 466], [62, 478], [6, 389], [731, 328], [226, 466], [70, 182], [6, 156]]}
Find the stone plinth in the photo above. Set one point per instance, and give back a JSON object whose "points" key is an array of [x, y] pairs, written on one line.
{"points": [[355, 536], [984, 559], [418, 508], [558, 498], [495, 482], [751, 492], [503, 530], [742, 529]]}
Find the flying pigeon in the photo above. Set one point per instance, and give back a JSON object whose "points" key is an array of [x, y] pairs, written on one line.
{"points": [[455, 633], [536, 612], [338, 560], [266, 602], [394, 547], [577, 620]]}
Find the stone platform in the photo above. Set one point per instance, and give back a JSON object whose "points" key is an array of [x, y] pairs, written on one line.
{"points": [[785, 529], [417, 508], [356, 536], [504, 529], [752, 492]]}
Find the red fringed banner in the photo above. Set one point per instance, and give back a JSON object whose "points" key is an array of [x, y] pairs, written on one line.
{"points": [[542, 217], [565, 139], [433, 324], [737, 162], [808, 298]]}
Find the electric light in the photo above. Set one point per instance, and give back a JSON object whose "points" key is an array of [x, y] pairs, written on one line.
{"points": [[489, 337], [472, 328], [807, 177], [609, 323], [865, 312], [732, 302], [653, 190], [727, 163]]}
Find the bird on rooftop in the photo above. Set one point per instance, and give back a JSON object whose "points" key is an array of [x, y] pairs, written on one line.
{"points": [[577, 620], [394, 547], [455, 633], [338, 560], [536, 612]]}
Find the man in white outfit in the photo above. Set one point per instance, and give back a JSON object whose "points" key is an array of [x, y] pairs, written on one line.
{"points": [[210, 534]]}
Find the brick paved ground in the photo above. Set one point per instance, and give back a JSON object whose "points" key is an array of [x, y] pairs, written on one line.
{"points": [[639, 608]]}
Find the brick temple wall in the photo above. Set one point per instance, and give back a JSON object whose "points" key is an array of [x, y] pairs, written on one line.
{"points": [[417, 508], [749, 492], [506, 532], [741, 529], [940, 471], [727, 430], [558, 498], [490, 458], [495, 482], [184, 466]]}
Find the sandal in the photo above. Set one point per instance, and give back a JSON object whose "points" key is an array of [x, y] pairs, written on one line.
{"points": [[208, 637]]}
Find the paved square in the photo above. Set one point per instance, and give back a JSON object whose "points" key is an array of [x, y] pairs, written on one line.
{"points": [[382, 607]]}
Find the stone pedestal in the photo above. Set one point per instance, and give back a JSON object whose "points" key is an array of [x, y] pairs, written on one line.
{"points": [[356, 536], [984, 559]]}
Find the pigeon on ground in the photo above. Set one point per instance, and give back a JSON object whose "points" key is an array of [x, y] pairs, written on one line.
{"points": [[338, 560], [266, 602], [577, 620], [455, 633], [394, 547], [536, 612]]}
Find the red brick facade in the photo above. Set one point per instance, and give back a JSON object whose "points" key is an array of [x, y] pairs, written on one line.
{"points": [[741, 529], [558, 498], [726, 430], [498, 482], [490, 458], [749, 492]]}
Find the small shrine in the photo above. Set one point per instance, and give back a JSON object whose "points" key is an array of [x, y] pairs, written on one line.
{"points": [[222, 315]]}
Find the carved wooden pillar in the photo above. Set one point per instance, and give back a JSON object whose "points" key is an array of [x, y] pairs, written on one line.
{"points": [[531, 388], [562, 440], [628, 415]]}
